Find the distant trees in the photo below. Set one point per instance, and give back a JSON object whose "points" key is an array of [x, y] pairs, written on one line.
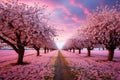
{"points": [[101, 28], [22, 25]]}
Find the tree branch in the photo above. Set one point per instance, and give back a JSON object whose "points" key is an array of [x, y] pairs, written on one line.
{"points": [[9, 43]]}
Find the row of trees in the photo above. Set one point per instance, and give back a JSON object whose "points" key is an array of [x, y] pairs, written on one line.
{"points": [[101, 29], [25, 26]]}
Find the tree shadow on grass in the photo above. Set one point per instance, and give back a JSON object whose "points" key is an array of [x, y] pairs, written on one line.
{"points": [[88, 56], [102, 60], [24, 63], [15, 64], [39, 56]]}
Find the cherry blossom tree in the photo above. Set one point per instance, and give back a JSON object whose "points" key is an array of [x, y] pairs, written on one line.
{"points": [[85, 37], [41, 37], [102, 27], [106, 28], [18, 24]]}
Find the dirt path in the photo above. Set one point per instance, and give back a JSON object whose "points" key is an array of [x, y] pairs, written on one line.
{"points": [[62, 70]]}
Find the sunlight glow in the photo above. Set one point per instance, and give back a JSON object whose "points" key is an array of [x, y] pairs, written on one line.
{"points": [[60, 44]]}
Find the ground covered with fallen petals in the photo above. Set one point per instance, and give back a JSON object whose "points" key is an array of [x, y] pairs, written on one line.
{"points": [[43, 67], [39, 67], [95, 67]]}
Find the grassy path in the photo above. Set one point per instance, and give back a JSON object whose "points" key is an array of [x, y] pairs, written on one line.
{"points": [[62, 70]]}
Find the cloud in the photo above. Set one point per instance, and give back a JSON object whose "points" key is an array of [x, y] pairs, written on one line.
{"points": [[85, 10], [76, 19]]}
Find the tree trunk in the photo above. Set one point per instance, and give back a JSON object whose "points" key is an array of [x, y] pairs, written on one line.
{"points": [[79, 51], [89, 54], [111, 54], [20, 56], [45, 50], [103, 48], [37, 49], [38, 52]]}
